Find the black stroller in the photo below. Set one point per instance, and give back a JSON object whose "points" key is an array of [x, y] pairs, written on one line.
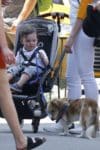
{"points": [[31, 103]]}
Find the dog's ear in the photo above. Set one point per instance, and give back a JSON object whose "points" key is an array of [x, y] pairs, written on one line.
{"points": [[65, 99], [56, 102], [60, 102]]}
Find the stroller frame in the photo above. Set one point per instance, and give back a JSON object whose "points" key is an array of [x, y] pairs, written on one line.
{"points": [[33, 105]]}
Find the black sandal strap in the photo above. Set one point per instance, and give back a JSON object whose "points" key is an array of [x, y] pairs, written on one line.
{"points": [[32, 143]]}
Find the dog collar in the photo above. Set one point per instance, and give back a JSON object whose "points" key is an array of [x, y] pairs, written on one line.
{"points": [[61, 112]]}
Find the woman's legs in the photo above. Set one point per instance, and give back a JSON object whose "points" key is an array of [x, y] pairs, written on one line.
{"points": [[85, 61], [80, 68], [9, 111], [73, 78]]}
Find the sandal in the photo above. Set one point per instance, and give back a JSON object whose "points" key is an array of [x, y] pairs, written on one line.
{"points": [[33, 143]]}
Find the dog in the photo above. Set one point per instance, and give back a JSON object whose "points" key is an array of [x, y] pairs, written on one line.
{"points": [[85, 110]]}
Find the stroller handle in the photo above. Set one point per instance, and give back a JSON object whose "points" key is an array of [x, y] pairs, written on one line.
{"points": [[56, 15], [23, 97]]}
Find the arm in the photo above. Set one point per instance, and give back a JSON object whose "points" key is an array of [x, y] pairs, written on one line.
{"points": [[18, 59], [44, 57], [25, 12], [78, 24], [8, 54], [66, 3], [73, 34]]}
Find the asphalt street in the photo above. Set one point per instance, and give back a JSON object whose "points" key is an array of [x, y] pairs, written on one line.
{"points": [[54, 141]]}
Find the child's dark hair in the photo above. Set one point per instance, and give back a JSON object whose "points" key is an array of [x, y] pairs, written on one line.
{"points": [[26, 29]]}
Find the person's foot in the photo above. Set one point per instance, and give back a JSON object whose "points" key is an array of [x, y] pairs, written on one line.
{"points": [[54, 128], [14, 87], [33, 143], [71, 126], [57, 128], [76, 130]]}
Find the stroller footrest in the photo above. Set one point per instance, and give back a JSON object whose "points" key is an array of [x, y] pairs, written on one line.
{"points": [[23, 97]]}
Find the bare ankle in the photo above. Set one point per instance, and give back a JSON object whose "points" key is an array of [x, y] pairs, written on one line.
{"points": [[21, 144]]}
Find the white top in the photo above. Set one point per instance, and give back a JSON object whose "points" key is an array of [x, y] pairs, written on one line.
{"points": [[74, 5], [36, 60]]}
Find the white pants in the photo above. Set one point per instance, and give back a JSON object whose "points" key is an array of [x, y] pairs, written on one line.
{"points": [[80, 68]]}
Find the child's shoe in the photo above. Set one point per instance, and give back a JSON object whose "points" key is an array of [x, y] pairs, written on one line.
{"points": [[14, 87]]}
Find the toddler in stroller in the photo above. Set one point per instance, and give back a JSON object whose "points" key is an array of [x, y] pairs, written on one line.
{"points": [[30, 101], [31, 61]]}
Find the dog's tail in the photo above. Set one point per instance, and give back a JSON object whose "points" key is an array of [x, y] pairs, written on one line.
{"points": [[91, 132]]}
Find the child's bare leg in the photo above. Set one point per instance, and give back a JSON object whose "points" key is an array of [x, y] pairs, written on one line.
{"points": [[23, 79]]}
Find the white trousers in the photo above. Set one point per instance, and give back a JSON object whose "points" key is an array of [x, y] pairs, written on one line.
{"points": [[80, 68]]}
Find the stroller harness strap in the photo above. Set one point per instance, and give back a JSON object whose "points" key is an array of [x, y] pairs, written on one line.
{"points": [[29, 62]]}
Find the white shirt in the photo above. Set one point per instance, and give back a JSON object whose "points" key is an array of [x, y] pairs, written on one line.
{"points": [[36, 60]]}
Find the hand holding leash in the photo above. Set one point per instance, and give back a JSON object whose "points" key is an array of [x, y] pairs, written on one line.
{"points": [[69, 44], [67, 49]]}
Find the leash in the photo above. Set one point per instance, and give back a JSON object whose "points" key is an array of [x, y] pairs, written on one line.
{"points": [[61, 112]]}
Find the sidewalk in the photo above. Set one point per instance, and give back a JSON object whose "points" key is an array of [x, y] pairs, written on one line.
{"points": [[54, 141]]}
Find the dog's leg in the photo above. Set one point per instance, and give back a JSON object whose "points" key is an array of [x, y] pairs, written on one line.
{"points": [[84, 117], [83, 124], [88, 133], [91, 132], [65, 126], [93, 127]]}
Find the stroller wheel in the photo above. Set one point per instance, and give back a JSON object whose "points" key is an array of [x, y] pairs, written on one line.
{"points": [[35, 124]]}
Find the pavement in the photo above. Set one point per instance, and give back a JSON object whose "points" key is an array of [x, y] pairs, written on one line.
{"points": [[54, 141]]}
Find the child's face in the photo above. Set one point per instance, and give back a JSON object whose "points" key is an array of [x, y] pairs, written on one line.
{"points": [[30, 41]]}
